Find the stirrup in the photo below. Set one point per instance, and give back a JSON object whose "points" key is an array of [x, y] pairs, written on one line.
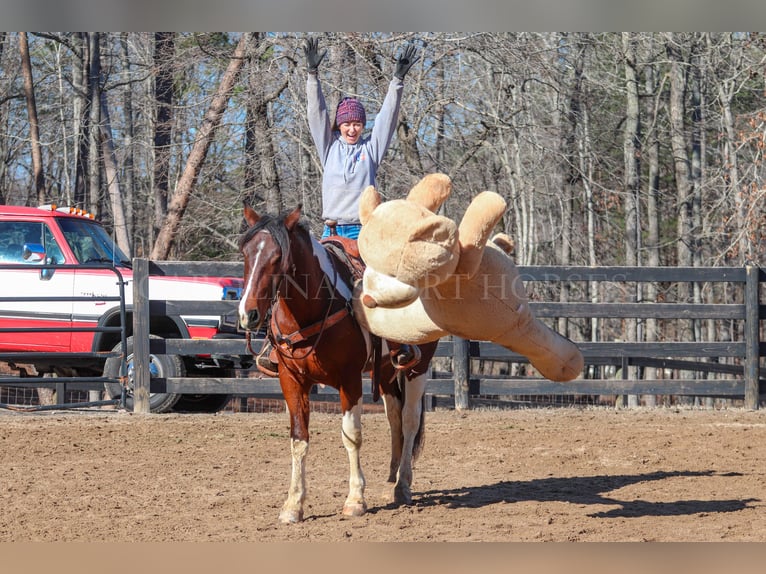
{"points": [[406, 357], [265, 362]]}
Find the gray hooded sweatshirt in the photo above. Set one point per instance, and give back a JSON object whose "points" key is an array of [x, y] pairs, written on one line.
{"points": [[349, 169]]}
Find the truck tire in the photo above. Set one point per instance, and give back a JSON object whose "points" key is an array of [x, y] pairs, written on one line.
{"points": [[164, 366]]}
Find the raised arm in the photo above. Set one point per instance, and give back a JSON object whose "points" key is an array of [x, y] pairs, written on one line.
{"points": [[318, 117], [388, 116]]}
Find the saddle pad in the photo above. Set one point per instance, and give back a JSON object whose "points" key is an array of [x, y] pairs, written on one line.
{"points": [[346, 251]]}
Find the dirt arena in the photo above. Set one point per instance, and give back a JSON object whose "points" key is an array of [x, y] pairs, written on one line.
{"points": [[569, 474]]}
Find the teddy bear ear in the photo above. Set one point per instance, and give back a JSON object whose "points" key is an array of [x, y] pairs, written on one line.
{"points": [[367, 203]]}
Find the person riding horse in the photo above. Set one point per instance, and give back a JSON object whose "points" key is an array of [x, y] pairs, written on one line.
{"points": [[349, 158]]}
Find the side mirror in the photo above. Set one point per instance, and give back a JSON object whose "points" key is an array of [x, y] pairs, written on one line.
{"points": [[33, 253]]}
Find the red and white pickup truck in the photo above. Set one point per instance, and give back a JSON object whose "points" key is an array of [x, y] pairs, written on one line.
{"points": [[32, 237]]}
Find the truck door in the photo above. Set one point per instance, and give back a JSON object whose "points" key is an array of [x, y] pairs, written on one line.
{"points": [[25, 284]]}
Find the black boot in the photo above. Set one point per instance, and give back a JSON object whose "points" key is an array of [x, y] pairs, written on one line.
{"points": [[407, 356], [266, 361]]}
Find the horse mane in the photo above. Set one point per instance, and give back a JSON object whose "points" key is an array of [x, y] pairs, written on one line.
{"points": [[275, 225]]}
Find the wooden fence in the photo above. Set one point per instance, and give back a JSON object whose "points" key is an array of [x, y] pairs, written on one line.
{"points": [[727, 369]]}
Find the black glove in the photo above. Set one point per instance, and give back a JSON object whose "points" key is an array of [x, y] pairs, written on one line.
{"points": [[404, 61], [313, 57]]}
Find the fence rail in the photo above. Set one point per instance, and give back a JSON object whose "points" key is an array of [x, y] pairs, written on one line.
{"points": [[712, 368], [742, 381]]}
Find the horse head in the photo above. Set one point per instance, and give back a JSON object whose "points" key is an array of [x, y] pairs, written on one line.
{"points": [[265, 248]]}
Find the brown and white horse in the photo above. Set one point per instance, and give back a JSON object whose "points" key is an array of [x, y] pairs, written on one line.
{"points": [[304, 296]]}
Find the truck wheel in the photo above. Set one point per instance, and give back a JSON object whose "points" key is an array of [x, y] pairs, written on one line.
{"points": [[164, 366]]}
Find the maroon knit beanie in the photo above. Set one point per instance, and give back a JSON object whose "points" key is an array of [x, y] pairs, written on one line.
{"points": [[350, 110]]}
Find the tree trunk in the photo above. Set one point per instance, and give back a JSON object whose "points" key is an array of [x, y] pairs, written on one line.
{"points": [[185, 187], [120, 224], [92, 201], [652, 246], [128, 187], [261, 174], [682, 171], [80, 118], [34, 128], [3, 142], [678, 144], [164, 96]]}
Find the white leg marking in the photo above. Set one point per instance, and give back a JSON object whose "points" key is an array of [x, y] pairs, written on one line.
{"points": [[351, 433], [411, 412], [292, 509]]}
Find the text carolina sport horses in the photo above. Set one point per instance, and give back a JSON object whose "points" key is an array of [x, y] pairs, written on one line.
{"points": [[291, 281]]}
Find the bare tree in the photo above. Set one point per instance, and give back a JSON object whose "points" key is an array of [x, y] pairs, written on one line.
{"points": [[678, 142], [164, 96], [3, 115], [129, 131], [651, 155], [535, 116], [81, 104], [93, 199], [34, 129], [119, 221], [185, 187], [262, 183], [631, 189]]}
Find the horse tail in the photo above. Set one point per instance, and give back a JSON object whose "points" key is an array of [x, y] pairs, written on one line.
{"points": [[420, 436]]}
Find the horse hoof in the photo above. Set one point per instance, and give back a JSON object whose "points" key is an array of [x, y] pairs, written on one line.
{"points": [[402, 496], [291, 516], [356, 509]]}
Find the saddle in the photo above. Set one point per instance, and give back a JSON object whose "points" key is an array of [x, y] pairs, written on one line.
{"points": [[404, 357], [346, 251]]}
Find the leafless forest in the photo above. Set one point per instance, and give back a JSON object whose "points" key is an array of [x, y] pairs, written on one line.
{"points": [[611, 149]]}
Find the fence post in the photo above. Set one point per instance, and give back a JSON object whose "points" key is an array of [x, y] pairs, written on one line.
{"points": [[461, 369], [752, 336], [142, 376]]}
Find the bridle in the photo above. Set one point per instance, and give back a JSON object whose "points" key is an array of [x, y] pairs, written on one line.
{"points": [[286, 343]]}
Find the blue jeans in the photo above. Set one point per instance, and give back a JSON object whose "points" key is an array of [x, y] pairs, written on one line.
{"points": [[350, 230]]}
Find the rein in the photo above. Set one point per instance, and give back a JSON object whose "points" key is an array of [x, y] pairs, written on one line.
{"points": [[302, 342], [286, 344]]}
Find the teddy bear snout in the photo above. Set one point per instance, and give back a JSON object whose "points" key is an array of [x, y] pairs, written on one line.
{"points": [[386, 291]]}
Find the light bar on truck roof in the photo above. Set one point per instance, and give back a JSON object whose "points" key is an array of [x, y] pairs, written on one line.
{"points": [[69, 210]]}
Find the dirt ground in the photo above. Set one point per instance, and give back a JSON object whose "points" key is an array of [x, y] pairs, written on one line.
{"points": [[569, 474]]}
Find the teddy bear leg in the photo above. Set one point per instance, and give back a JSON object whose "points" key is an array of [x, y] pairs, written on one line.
{"points": [[556, 357]]}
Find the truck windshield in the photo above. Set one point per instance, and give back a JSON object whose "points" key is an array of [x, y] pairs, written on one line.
{"points": [[91, 243]]}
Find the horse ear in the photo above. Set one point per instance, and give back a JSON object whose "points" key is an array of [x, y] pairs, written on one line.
{"points": [[367, 203], [292, 218], [251, 216]]}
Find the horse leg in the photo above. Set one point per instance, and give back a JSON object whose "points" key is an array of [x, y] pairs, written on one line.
{"points": [[393, 406], [392, 401], [412, 437], [351, 433], [298, 407]]}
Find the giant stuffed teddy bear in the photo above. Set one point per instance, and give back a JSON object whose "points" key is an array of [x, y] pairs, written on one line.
{"points": [[427, 278]]}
